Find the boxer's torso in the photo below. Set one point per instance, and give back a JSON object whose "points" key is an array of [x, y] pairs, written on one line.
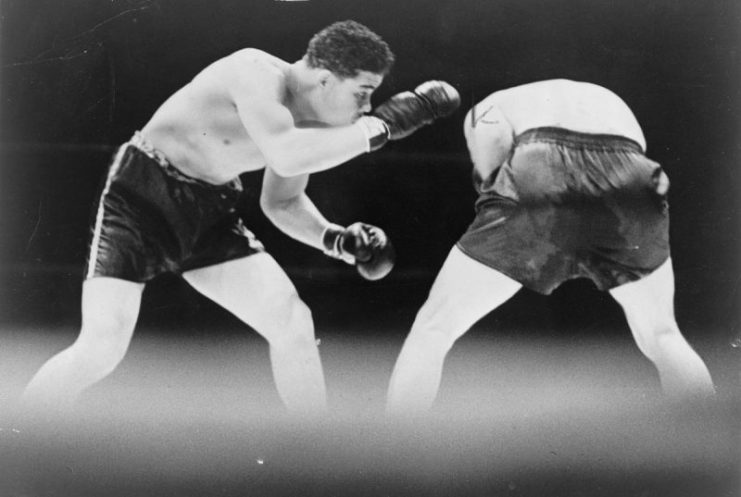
{"points": [[577, 106], [199, 129]]}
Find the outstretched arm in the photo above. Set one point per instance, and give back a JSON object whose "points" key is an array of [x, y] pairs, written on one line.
{"points": [[258, 92], [291, 150]]}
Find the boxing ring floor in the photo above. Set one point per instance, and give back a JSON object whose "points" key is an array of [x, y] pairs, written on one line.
{"points": [[517, 415]]}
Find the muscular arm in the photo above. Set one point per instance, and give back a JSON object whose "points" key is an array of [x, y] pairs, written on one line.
{"points": [[257, 93], [285, 203], [489, 137]]}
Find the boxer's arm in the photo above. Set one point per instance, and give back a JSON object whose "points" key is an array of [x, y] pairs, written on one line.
{"points": [[257, 92], [489, 137], [286, 205], [294, 151]]}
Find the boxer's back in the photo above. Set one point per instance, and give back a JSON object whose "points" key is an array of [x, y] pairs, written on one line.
{"points": [[573, 105]]}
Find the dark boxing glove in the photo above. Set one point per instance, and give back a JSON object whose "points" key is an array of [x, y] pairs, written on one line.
{"points": [[406, 112], [365, 246]]}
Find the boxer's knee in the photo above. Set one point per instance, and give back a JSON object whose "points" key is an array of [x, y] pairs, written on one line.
{"points": [[104, 340], [292, 326], [655, 337], [436, 326]]}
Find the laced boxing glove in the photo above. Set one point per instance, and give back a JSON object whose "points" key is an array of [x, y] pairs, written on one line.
{"points": [[406, 112], [365, 246]]}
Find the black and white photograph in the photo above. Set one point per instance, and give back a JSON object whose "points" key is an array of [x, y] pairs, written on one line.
{"points": [[379, 248]]}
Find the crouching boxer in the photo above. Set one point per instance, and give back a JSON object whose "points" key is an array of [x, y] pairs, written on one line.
{"points": [[565, 191]]}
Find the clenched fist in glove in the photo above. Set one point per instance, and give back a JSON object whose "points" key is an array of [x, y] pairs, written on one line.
{"points": [[406, 112], [365, 246]]}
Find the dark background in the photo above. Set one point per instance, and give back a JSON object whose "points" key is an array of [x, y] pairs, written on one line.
{"points": [[545, 396], [79, 76]]}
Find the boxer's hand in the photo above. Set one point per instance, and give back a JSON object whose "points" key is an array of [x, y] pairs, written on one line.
{"points": [[365, 246], [406, 112]]}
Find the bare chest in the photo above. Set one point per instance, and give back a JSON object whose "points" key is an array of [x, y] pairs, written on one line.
{"points": [[204, 139]]}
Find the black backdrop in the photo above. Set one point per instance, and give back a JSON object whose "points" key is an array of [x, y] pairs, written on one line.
{"points": [[78, 76]]}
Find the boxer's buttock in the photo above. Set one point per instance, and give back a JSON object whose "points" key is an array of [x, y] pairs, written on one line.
{"points": [[567, 205]]}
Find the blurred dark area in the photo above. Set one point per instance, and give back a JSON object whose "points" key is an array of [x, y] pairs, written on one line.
{"points": [[79, 76], [549, 394]]}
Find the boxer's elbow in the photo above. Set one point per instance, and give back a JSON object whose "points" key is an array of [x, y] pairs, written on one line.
{"points": [[275, 212], [271, 207], [277, 209]]}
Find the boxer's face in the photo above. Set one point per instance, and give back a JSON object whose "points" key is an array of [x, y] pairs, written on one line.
{"points": [[344, 100]]}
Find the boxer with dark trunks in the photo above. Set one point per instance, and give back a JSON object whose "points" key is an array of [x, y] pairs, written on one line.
{"points": [[565, 190], [168, 204], [173, 223]]}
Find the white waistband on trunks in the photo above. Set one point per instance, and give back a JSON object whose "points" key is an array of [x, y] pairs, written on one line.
{"points": [[567, 136], [142, 144]]}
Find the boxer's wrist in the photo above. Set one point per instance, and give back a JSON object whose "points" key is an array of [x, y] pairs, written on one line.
{"points": [[375, 130], [332, 243]]}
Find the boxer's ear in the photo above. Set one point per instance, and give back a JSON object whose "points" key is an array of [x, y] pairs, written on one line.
{"points": [[325, 77]]}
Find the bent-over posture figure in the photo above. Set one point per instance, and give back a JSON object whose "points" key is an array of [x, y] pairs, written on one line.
{"points": [[565, 191]]}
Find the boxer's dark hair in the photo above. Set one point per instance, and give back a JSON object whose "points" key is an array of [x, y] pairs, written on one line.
{"points": [[348, 47]]}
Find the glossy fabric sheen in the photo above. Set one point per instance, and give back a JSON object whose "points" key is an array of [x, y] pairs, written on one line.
{"points": [[567, 205], [152, 219]]}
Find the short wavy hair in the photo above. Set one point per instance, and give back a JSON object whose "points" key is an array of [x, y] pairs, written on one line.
{"points": [[348, 47]]}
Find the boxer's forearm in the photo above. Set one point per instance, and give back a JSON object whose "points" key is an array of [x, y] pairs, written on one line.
{"points": [[286, 205]]}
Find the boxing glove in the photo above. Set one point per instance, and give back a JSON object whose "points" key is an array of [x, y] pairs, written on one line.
{"points": [[365, 246], [406, 112]]}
